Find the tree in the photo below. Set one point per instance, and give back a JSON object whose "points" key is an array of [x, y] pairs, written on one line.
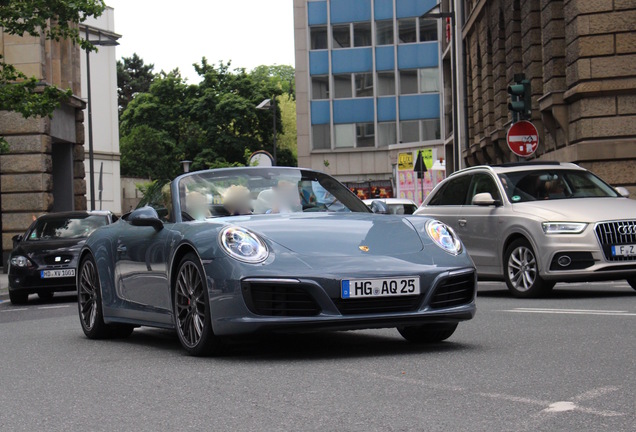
{"points": [[55, 19], [214, 123], [133, 77]]}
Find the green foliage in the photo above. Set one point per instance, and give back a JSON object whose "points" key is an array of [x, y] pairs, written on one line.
{"points": [[151, 192], [133, 77], [214, 123], [55, 19]]}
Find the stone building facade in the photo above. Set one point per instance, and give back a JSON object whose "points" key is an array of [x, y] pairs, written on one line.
{"points": [[44, 169], [580, 57]]}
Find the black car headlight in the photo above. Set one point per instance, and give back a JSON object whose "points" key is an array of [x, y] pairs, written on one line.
{"points": [[243, 245], [444, 237], [21, 261]]}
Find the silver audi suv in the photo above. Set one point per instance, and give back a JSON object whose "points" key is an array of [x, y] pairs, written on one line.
{"points": [[535, 224]]}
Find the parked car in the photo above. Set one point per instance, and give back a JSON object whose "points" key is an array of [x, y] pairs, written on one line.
{"points": [[535, 224], [44, 259], [400, 206], [245, 250]]}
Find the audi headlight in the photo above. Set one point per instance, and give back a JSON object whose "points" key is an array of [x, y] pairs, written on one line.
{"points": [[244, 245], [444, 237], [20, 261], [563, 227]]}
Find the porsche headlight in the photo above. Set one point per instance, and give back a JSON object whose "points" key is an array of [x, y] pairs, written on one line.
{"points": [[563, 227], [244, 245], [20, 261], [444, 237]]}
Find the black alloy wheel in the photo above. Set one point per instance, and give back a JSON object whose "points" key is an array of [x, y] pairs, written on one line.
{"points": [[89, 304], [18, 298], [192, 309]]}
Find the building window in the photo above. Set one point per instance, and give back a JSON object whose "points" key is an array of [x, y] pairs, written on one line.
{"points": [[344, 135], [362, 34], [408, 81], [318, 38], [429, 80], [428, 30], [365, 135], [410, 131], [386, 83], [320, 87], [384, 32], [407, 31], [321, 135], [341, 36], [342, 86], [430, 129], [387, 134], [364, 85]]}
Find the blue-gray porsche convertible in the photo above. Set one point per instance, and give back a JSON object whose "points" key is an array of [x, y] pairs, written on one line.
{"points": [[245, 250]]}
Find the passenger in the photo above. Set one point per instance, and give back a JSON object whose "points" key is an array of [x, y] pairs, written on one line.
{"points": [[237, 200], [197, 205]]}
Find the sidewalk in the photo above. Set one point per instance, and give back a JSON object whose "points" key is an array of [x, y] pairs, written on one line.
{"points": [[4, 286]]}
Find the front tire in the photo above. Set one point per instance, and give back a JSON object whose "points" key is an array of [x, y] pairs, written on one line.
{"points": [[632, 282], [521, 271], [192, 309], [89, 304], [18, 298], [428, 333]]}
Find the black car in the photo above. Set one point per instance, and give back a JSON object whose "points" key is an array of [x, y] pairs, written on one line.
{"points": [[44, 259]]}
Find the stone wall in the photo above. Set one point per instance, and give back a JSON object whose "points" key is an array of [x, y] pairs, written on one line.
{"points": [[579, 56]]}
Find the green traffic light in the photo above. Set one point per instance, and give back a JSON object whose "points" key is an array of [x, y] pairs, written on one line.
{"points": [[520, 99]]}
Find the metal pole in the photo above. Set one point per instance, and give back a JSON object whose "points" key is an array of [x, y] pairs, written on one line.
{"points": [[454, 90], [274, 111], [91, 168]]}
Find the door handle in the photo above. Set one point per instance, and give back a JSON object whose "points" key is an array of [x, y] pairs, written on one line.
{"points": [[462, 222]]}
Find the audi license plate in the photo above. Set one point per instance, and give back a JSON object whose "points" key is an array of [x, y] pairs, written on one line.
{"points": [[46, 274], [386, 287], [624, 250]]}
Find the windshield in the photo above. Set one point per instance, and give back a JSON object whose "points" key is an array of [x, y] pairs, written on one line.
{"points": [[244, 191], [553, 184], [66, 227]]}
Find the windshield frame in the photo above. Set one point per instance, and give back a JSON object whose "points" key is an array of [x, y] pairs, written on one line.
{"points": [[184, 185]]}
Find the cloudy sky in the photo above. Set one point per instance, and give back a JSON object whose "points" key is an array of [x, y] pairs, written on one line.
{"points": [[177, 33]]}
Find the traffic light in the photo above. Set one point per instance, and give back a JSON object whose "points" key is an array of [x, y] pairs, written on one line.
{"points": [[520, 98]]}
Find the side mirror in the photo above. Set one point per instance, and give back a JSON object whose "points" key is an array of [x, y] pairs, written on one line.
{"points": [[16, 239], [485, 199], [622, 191], [379, 207], [146, 216]]}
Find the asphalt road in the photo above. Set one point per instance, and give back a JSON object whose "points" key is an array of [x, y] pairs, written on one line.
{"points": [[561, 364]]}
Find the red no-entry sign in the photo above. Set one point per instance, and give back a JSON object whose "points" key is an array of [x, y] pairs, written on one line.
{"points": [[523, 138]]}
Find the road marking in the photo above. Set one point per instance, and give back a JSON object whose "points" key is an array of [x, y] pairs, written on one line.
{"points": [[53, 307], [551, 407], [570, 311], [14, 310]]}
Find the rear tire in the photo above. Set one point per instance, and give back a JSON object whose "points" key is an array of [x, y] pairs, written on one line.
{"points": [[191, 305], [632, 282], [428, 333], [521, 271], [89, 304], [18, 298]]}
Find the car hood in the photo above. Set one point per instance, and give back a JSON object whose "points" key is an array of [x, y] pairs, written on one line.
{"points": [[337, 234], [579, 209], [42, 248]]}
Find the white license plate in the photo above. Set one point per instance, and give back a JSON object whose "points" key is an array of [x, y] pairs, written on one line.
{"points": [[46, 274], [624, 250], [386, 287]]}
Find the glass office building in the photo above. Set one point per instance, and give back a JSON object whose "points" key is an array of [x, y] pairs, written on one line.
{"points": [[368, 85]]}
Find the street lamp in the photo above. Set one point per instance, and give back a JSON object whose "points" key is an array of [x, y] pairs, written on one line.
{"points": [[270, 104], [451, 15], [107, 41]]}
